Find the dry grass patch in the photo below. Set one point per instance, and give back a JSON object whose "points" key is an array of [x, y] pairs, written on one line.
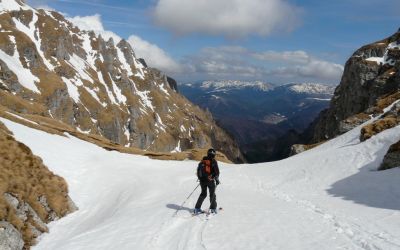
{"points": [[378, 126], [311, 146], [19, 104], [193, 154], [387, 100], [300, 148], [24, 176]]}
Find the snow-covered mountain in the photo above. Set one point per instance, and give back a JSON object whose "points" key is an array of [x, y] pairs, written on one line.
{"points": [[50, 67], [330, 197], [257, 114], [226, 85], [312, 88], [231, 85]]}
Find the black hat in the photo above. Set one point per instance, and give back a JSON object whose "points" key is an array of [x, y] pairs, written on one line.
{"points": [[211, 153]]}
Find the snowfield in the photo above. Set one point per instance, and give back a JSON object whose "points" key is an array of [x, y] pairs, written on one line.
{"points": [[330, 197]]}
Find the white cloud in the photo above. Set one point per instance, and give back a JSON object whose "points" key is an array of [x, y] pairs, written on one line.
{"points": [[322, 69], [300, 63], [94, 23], [298, 56], [315, 69], [153, 55], [231, 18]]}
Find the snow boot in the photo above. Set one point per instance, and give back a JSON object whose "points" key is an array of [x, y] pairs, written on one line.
{"points": [[197, 211], [213, 211]]}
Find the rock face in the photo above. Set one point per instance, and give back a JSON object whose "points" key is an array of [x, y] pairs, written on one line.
{"points": [[372, 72], [297, 149], [392, 157], [370, 87], [10, 238], [51, 68]]}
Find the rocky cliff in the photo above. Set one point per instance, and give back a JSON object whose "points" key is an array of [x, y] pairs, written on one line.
{"points": [[370, 88], [371, 74], [50, 67]]}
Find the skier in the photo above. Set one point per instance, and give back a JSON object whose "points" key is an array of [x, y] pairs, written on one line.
{"points": [[208, 174]]}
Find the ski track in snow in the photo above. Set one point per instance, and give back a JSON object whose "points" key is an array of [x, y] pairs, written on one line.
{"points": [[130, 202], [191, 237]]}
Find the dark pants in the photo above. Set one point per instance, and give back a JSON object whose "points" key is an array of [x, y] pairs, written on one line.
{"points": [[213, 198]]}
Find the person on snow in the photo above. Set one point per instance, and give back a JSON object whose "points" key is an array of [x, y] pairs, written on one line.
{"points": [[208, 174]]}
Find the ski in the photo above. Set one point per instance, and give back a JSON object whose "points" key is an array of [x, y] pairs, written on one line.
{"points": [[207, 213]]}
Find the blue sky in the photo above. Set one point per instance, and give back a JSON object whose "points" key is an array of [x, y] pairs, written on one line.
{"points": [[277, 41]]}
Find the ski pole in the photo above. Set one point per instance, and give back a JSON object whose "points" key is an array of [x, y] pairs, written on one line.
{"points": [[176, 212]]}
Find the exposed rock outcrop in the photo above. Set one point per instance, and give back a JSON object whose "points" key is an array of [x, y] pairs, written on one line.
{"points": [[297, 149], [300, 148], [372, 72], [10, 237], [392, 157]]}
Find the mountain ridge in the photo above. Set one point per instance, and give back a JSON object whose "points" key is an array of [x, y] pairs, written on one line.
{"points": [[227, 85], [52, 68]]}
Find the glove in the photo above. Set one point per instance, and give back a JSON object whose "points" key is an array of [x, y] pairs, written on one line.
{"points": [[217, 181]]}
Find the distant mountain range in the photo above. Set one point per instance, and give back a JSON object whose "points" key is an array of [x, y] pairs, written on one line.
{"points": [[255, 111]]}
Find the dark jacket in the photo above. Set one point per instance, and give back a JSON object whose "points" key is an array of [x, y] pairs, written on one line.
{"points": [[214, 170]]}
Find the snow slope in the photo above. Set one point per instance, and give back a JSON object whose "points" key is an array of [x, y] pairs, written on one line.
{"points": [[330, 197]]}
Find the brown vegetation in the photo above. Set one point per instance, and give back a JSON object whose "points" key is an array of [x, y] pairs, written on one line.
{"points": [[386, 101], [311, 146], [378, 126], [300, 148], [24, 176]]}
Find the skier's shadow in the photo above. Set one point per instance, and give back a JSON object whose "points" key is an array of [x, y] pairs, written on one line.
{"points": [[177, 207]]}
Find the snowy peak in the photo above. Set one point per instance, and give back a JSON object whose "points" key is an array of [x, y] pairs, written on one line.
{"points": [[13, 5], [311, 88], [226, 85]]}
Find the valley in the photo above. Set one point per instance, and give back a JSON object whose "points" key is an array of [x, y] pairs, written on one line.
{"points": [[264, 119]]}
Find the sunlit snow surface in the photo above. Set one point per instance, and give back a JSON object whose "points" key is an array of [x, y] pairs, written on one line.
{"points": [[328, 198]]}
